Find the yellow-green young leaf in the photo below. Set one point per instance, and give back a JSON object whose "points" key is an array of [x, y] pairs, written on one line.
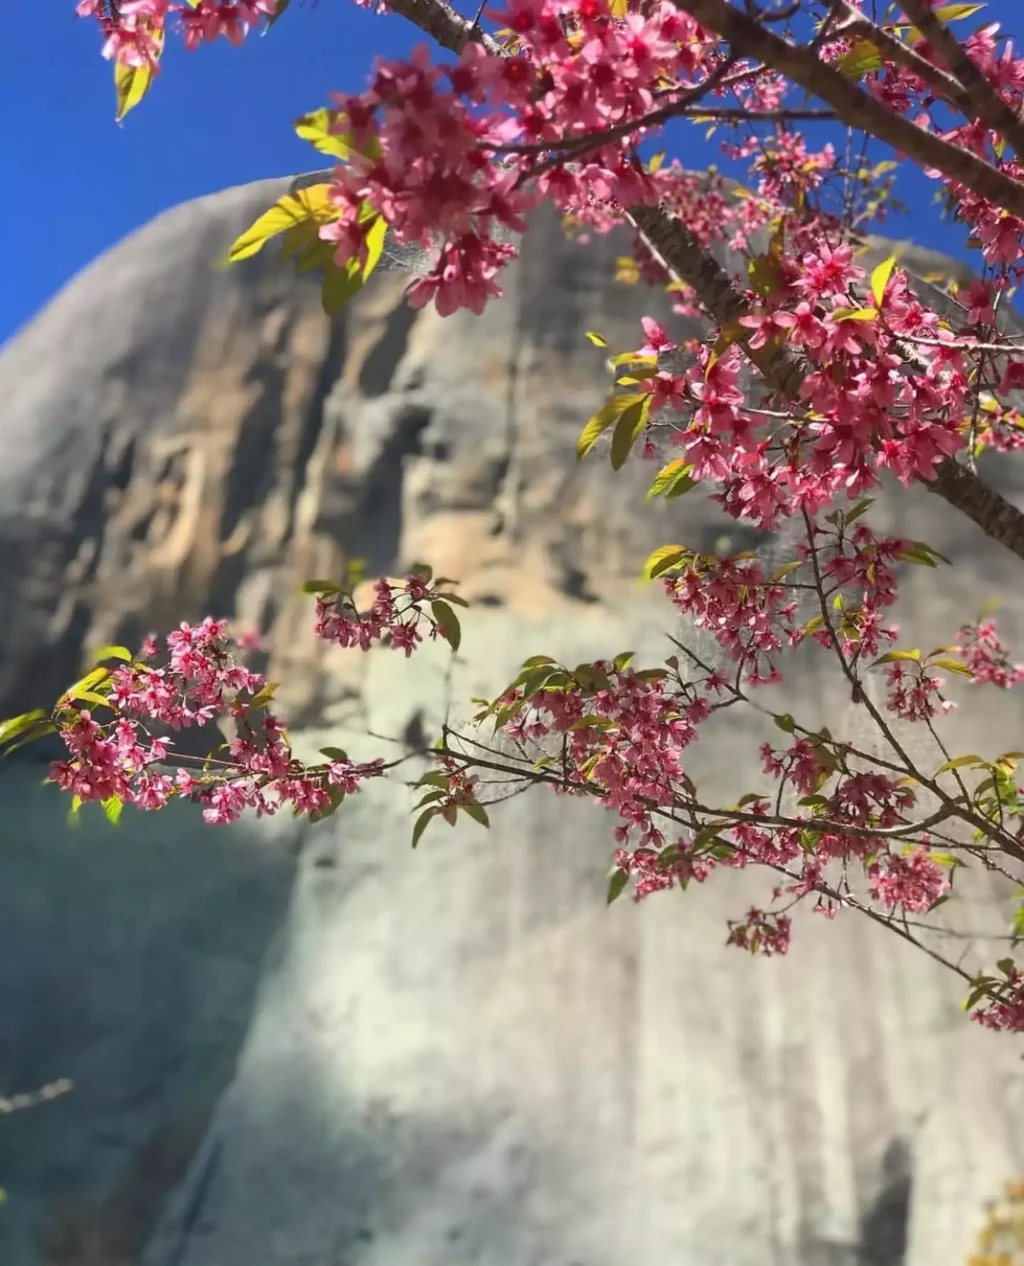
{"points": [[325, 130], [448, 622], [628, 430], [730, 333], [20, 724], [854, 314], [958, 763], [633, 358], [310, 204], [664, 559], [616, 884], [880, 279], [609, 413], [953, 666], [597, 339], [421, 825], [85, 689], [896, 657], [861, 59], [342, 281], [112, 652], [90, 696], [112, 808], [325, 587], [764, 274], [477, 812], [263, 697], [677, 469], [923, 555], [957, 12], [131, 83], [655, 164], [339, 285]]}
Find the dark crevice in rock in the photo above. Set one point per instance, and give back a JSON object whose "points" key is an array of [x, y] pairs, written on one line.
{"points": [[378, 372], [374, 531], [251, 476], [313, 422], [885, 1226]]}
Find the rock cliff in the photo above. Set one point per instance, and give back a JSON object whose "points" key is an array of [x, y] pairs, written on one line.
{"points": [[314, 1046]]}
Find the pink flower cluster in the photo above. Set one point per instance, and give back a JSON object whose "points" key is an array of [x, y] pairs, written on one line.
{"points": [[134, 30], [194, 680], [463, 150], [986, 656]]}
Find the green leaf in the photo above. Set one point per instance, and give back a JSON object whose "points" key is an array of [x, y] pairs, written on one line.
{"points": [[90, 696], [448, 622], [278, 12], [860, 508], [477, 812], [113, 808], [606, 416], [854, 314], [37, 730], [665, 558], [958, 763], [334, 753], [131, 83], [861, 59], [624, 660], [317, 128], [616, 884], [263, 697], [422, 823], [628, 430], [785, 723], [337, 795], [923, 555], [673, 480], [304, 206], [896, 657], [340, 283], [321, 587], [880, 279], [953, 666], [597, 339], [18, 725], [112, 652], [537, 661], [87, 686]]}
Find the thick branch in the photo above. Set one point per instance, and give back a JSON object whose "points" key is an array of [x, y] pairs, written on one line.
{"points": [[748, 38], [988, 106]]}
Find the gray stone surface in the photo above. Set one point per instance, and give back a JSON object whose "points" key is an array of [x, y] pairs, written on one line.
{"points": [[454, 1056]]}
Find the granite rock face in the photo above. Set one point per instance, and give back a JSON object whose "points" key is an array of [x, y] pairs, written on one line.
{"points": [[314, 1047]]}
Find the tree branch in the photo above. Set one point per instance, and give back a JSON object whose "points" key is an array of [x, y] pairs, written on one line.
{"points": [[685, 260], [987, 105], [853, 105], [894, 50]]}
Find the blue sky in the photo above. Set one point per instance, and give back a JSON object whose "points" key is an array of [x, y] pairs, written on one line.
{"points": [[75, 182]]}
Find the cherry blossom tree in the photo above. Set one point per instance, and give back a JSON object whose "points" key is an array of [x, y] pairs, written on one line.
{"points": [[816, 379]]}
